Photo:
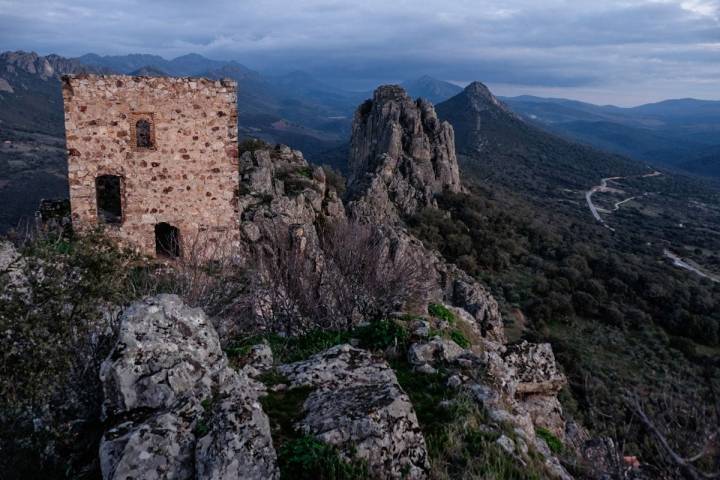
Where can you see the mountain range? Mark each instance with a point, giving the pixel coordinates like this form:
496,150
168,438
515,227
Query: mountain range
308,114
682,134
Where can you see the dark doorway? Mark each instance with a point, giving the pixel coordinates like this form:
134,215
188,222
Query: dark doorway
108,190
167,240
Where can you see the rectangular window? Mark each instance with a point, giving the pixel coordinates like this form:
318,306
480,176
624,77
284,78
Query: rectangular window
108,189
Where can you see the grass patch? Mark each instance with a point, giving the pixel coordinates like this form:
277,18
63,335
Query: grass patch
552,441
289,349
284,409
306,458
459,337
374,336
440,311
381,335
302,457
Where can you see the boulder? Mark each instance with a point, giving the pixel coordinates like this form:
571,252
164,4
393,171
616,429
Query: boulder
238,443
358,406
177,409
535,368
436,350
165,351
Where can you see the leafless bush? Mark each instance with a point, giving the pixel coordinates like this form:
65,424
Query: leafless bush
286,286
351,275
685,434
366,277
671,435
208,274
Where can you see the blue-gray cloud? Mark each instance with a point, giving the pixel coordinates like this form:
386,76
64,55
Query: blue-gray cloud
623,51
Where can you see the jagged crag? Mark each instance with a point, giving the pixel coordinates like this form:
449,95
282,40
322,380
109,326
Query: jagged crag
412,354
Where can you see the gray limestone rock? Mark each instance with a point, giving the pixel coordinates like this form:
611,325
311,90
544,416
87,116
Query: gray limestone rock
358,406
401,156
436,350
179,410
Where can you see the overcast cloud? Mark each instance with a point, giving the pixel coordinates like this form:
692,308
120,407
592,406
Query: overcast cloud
622,52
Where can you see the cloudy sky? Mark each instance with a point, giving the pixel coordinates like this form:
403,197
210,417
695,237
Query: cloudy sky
605,51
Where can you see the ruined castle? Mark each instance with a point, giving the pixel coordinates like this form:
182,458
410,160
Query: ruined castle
154,160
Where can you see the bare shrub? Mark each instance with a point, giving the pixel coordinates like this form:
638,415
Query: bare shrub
366,277
352,275
285,288
685,434
209,274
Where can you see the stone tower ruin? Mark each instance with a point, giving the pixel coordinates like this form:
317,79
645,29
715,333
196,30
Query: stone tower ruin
154,160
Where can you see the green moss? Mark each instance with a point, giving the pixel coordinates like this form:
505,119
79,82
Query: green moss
304,171
440,311
427,392
306,458
552,441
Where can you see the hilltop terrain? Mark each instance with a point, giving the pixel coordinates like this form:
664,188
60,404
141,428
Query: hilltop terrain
488,228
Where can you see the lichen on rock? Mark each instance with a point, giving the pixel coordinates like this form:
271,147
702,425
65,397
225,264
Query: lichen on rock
177,409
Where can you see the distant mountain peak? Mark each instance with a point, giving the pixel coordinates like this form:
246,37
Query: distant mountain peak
479,88
479,98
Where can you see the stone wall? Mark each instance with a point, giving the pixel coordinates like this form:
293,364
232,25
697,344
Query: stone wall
188,178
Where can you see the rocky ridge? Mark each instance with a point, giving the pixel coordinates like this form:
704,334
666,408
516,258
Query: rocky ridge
47,67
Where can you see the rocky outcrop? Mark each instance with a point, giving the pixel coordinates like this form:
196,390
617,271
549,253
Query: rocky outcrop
358,406
538,383
516,385
178,410
401,156
437,349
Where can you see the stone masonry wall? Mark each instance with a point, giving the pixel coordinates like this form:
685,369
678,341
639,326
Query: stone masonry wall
188,179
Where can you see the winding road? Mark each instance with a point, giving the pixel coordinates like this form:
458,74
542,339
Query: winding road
603,187
679,262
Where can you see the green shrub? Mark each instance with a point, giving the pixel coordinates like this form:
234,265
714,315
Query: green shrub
381,335
306,458
440,311
552,441
304,172
290,349
334,178
56,332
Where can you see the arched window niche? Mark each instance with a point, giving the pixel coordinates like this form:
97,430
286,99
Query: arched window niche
143,131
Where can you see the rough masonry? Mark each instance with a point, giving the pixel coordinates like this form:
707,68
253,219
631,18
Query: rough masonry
154,159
